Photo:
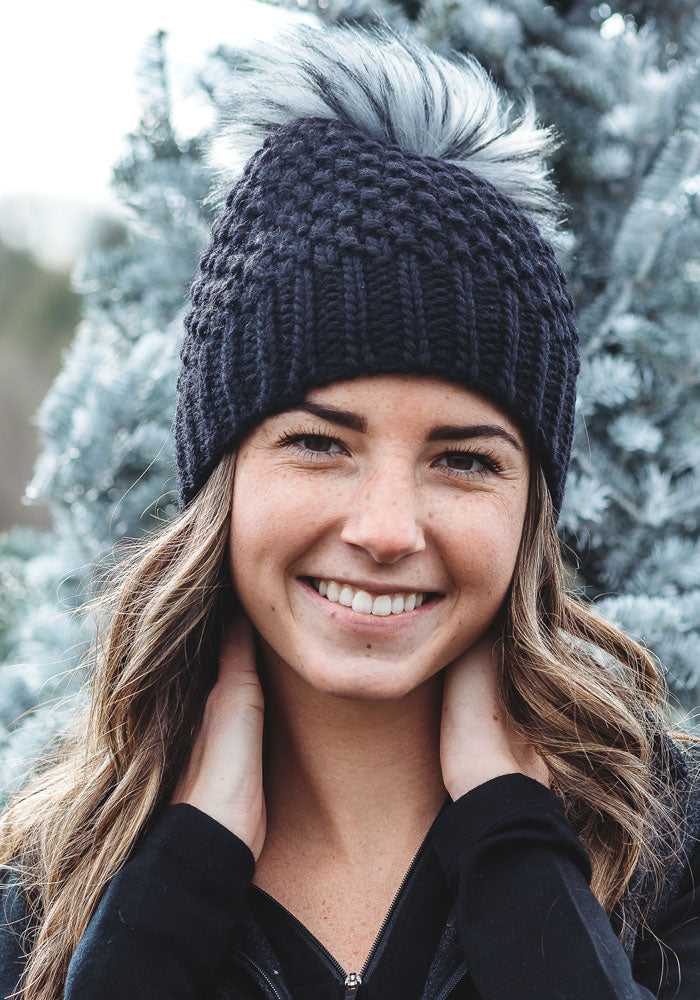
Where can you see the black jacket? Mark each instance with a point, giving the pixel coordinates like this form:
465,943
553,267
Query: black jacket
496,905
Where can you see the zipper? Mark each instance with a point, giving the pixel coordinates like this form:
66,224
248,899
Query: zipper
353,980
249,961
454,979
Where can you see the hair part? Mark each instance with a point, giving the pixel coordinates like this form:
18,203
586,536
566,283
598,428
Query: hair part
160,617
395,89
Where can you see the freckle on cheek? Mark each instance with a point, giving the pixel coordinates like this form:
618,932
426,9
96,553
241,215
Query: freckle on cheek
369,645
272,607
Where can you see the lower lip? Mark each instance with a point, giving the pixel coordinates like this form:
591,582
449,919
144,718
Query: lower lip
368,624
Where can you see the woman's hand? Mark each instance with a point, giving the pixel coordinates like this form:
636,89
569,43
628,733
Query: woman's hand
476,743
223,774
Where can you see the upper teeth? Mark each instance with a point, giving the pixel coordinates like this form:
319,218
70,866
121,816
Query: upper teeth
364,603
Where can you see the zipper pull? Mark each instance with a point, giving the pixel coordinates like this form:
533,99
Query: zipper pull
352,984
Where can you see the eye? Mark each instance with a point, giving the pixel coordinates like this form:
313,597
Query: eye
463,463
312,444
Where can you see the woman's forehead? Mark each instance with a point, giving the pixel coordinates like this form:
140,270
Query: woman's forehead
421,399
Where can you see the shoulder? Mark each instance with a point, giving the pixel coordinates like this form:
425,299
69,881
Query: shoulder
645,899
16,930
14,912
682,756
678,757
686,756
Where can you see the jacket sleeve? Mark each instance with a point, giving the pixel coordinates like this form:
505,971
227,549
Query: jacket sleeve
529,924
670,966
164,922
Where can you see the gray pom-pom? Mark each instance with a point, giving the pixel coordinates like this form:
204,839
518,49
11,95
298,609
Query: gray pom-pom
393,88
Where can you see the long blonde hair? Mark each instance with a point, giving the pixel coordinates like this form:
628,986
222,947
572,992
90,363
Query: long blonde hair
159,616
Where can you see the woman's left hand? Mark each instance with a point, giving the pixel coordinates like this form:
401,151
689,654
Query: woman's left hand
476,743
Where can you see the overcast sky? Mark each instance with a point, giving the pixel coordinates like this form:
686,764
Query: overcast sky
70,92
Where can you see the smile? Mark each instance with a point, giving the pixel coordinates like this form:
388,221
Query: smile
364,603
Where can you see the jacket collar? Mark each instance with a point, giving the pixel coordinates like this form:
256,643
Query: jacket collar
255,954
448,963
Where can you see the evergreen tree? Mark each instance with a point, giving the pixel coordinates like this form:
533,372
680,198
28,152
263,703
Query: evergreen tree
622,87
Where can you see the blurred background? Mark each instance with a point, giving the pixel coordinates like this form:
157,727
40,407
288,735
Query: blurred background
69,74
107,116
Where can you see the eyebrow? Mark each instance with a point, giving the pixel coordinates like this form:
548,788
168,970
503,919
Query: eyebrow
443,432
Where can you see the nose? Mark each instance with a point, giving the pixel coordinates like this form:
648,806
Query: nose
385,516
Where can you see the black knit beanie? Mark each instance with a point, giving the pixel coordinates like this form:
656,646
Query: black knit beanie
344,249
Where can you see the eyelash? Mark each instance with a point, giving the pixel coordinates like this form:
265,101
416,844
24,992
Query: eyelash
486,457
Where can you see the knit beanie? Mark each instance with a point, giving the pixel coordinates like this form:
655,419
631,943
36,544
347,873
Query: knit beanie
385,216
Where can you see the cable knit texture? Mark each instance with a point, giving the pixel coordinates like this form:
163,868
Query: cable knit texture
337,255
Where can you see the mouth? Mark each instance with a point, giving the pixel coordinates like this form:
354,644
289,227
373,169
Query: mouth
371,605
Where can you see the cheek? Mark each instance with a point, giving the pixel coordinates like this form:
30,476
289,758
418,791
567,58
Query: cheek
483,549
270,527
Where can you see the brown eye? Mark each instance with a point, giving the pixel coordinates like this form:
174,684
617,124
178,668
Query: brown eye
463,463
312,444
317,442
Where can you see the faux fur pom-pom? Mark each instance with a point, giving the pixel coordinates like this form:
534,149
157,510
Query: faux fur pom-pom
393,88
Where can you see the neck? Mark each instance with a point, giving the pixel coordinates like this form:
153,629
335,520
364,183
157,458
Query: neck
343,778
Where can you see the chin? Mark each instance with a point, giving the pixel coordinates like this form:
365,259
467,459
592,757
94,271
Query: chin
361,678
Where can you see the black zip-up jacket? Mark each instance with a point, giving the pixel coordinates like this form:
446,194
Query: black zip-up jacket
496,905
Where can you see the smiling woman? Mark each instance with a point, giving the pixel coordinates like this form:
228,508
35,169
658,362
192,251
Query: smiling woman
379,503
351,734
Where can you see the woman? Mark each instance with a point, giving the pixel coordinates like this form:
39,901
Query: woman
350,735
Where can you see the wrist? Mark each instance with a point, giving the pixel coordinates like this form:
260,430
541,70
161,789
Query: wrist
459,784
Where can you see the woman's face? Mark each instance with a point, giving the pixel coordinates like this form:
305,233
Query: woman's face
383,487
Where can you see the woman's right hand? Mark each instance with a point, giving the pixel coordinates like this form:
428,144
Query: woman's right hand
223,773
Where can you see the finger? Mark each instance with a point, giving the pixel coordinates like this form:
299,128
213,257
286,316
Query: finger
238,631
237,650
